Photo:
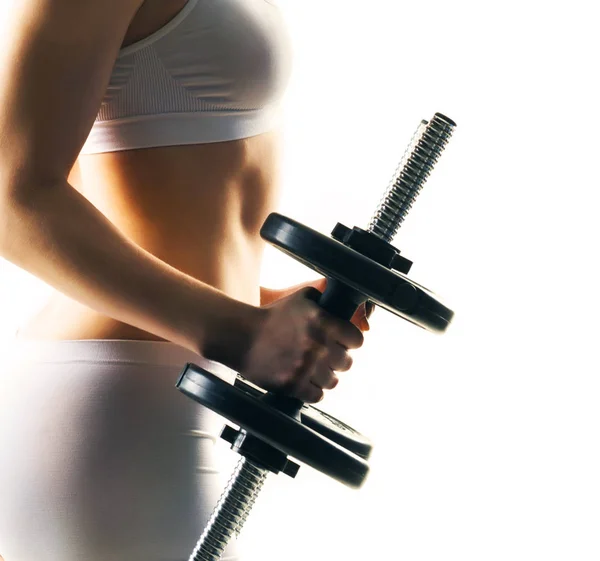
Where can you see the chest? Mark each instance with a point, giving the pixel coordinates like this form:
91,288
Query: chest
223,54
152,16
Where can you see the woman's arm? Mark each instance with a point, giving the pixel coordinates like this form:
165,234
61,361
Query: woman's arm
54,69
64,240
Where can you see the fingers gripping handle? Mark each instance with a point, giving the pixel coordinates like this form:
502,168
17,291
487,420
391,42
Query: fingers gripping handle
340,301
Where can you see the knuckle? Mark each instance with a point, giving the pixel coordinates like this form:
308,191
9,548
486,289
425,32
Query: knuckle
321,323
289,380
314,317
313,356
317,329
304,345
284,379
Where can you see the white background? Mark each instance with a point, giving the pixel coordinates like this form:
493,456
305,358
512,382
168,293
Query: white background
486,438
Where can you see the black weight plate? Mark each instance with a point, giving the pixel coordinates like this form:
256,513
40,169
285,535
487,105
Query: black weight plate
336,430
387,288
323,423
274,427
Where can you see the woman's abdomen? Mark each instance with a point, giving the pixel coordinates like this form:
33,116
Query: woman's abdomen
198,208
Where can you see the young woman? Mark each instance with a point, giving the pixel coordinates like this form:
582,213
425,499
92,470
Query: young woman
139,157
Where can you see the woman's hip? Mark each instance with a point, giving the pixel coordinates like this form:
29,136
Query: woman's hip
102,457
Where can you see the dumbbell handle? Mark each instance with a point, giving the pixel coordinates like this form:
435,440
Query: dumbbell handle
419,159
341,300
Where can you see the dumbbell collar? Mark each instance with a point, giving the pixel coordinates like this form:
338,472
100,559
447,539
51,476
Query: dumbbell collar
372,246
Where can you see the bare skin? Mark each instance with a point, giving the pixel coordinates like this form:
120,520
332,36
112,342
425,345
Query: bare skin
198,208
188,205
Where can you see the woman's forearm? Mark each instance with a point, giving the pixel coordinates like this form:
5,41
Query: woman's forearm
58,236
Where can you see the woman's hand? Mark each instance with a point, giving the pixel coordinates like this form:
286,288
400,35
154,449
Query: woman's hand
297,347
360,318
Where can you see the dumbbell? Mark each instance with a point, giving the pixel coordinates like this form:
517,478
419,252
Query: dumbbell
360,266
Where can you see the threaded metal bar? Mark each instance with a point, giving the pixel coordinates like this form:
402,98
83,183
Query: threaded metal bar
419,159
231,511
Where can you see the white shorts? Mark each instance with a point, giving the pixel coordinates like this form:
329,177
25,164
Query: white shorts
101,457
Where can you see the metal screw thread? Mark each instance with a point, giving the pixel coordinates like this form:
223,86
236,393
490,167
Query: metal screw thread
420,157
231,511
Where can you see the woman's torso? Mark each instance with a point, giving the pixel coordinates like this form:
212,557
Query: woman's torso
197,207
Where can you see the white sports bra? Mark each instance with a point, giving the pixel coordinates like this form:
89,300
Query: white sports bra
215,72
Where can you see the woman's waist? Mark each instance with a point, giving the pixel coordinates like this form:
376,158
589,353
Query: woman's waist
185,194
224,257
232,267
